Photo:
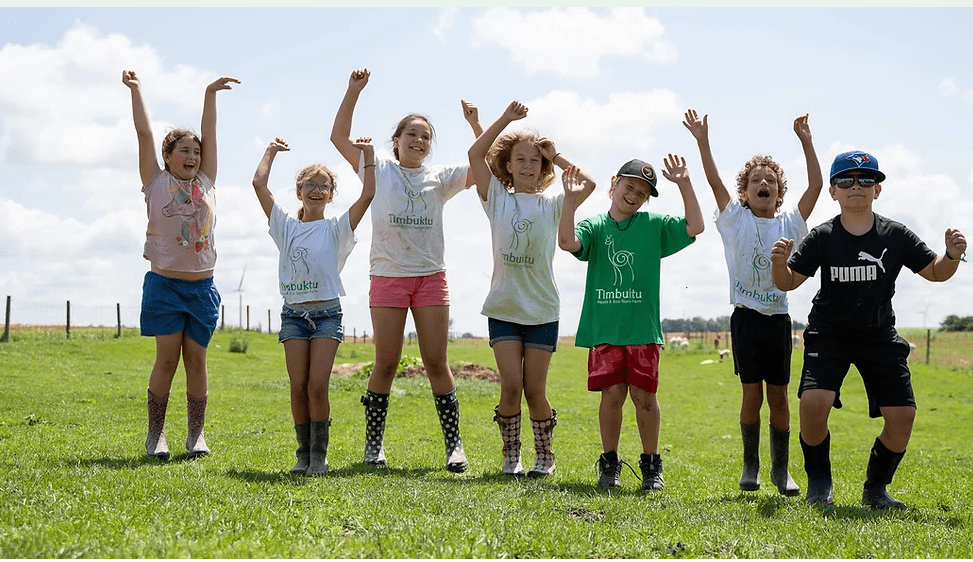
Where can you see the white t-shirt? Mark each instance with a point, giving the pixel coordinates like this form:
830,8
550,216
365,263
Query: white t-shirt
311,255
407,216
747,241
524,232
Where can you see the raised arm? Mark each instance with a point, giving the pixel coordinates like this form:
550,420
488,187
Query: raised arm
207,130
472,116
148,161
549,151
262,175
358,208
814,179
677,173
341,131
479,169
700,130
945,265
574,186
785,278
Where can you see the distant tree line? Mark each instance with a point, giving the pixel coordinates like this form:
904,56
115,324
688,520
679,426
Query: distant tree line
954,323
698,324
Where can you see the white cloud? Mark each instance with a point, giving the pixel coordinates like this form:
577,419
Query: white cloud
543,41
445,22
948,87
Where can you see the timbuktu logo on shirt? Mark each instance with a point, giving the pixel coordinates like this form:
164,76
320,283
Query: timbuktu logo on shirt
621,261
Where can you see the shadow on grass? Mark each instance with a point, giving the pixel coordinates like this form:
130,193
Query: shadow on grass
131,463
284,477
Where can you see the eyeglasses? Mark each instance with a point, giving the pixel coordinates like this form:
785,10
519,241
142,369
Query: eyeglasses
311,186
848,181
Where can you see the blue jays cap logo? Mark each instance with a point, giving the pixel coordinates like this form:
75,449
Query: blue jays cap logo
859,158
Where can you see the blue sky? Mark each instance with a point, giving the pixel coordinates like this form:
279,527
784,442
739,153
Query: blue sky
606,85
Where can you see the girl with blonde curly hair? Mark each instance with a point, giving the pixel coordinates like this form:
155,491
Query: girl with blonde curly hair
522,306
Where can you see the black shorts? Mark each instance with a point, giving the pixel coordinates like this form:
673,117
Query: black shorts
761,346
882,363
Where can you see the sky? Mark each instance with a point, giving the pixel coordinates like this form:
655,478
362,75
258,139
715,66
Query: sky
606,85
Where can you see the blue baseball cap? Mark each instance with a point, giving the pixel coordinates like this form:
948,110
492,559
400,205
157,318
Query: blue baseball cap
856,160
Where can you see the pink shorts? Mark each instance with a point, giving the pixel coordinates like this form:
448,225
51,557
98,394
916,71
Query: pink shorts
637,365
407,292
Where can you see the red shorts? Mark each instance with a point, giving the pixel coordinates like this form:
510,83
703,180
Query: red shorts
407,292
637,365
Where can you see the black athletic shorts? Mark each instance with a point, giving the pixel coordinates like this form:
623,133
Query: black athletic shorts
761,346
882,364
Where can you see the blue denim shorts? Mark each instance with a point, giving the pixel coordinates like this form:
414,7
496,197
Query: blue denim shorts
307,321
170,306
540,336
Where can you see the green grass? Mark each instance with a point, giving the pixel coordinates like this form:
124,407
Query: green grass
76,483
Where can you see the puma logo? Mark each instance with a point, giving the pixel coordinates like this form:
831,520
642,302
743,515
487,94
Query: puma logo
865,256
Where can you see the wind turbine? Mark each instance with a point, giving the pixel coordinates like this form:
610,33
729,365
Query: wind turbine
239,290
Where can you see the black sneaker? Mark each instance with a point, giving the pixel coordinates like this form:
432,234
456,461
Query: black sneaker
651,467
609,470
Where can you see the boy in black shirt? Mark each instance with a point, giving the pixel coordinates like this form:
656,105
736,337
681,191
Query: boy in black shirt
860,255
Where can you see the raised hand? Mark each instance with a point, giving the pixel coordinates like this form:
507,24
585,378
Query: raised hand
781,251
130,80
358,79
278,145
573,182
955,243
222,83
698,127
802,129
515,111
470,112
365,145
676,170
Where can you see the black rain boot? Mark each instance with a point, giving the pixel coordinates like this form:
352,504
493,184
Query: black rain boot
817,465
543,437
881,467
303,431
779,457
376,408
155,439
320,433
651,467
750,479
447,405
510,435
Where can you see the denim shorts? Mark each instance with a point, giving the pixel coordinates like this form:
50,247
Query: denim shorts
170,306
541,336
307,321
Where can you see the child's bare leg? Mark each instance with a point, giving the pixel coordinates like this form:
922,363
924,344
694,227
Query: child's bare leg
536,364
898,427
432,329
388,324
296,358
648,416
815,408
321,359
168,349
610,415
510,362
194,360
753,399
780,412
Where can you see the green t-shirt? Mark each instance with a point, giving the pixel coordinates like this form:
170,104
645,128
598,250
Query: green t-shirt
621,301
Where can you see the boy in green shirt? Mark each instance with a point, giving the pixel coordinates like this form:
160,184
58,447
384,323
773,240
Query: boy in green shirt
620,320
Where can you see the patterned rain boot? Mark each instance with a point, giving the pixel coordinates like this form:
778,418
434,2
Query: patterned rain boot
750,479
303,431
817,464
651,467
376,408
447,405
196,416
779,457
543,437
882,464
510,435
155,442
320,431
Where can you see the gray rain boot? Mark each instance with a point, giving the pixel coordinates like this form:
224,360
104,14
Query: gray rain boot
779,456
376,408
447,405
303,431
318,458
155,441
750,479
196,416
510,435
543,437
882,464
817,464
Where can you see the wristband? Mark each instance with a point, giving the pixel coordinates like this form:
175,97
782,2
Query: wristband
951,258
367,165
555,158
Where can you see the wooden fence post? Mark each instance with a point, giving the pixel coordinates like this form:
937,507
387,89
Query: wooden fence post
222,316
6,322
248,317
68,321
928,342
269,331
118,314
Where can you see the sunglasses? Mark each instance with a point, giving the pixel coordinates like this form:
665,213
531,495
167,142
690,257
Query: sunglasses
311,186
848,181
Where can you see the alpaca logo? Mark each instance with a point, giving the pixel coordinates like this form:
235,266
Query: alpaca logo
865,256
414,194
760,263
620,260
519,226
299,261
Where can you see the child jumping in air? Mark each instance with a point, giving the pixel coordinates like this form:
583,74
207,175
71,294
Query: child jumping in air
620,319
760,325
313,251
522,306
408,270
860,255
180,303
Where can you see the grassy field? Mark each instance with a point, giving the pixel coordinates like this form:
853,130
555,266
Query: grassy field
76,483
